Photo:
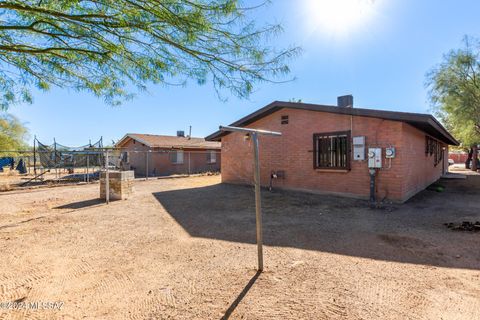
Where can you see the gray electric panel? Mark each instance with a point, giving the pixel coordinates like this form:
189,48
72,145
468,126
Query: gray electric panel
374,157
359,148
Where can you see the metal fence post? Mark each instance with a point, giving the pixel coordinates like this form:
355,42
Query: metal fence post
189,155
34,156
107,180
146,165
88,164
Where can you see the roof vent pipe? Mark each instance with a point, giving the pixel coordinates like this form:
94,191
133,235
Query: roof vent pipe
345,101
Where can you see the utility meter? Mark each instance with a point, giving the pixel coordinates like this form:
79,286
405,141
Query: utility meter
390,153
374,157
359,148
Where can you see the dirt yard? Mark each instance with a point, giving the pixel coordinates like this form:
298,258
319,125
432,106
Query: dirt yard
185,249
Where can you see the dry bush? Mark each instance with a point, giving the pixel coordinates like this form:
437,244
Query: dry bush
5,186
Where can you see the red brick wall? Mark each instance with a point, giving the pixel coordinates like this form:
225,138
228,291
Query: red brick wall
160,164
293,153
420,170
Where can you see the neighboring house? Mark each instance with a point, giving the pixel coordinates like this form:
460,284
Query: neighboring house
159,155
458,156
316,150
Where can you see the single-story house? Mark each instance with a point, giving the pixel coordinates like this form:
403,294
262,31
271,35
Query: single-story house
161,155
331,149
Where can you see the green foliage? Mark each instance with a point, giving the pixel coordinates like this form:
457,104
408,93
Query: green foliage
12,134
295,100
455,91
109,46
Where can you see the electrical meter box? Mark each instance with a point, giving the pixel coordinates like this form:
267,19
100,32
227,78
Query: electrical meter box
359,148
390,153
374,157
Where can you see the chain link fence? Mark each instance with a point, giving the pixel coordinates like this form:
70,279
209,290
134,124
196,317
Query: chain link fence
21,169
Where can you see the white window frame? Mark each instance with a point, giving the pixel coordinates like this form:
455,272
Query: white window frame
179,157
212,157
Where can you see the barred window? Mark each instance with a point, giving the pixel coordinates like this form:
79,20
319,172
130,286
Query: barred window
435,148
331,150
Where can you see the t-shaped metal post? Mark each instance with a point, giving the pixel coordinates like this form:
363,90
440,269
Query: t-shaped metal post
258,200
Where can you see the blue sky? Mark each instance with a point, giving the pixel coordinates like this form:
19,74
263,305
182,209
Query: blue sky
381,58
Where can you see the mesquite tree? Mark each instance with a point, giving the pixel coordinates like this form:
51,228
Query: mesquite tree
13,135
455,94
110,47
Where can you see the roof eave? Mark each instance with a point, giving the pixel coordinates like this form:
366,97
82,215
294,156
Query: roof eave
399,116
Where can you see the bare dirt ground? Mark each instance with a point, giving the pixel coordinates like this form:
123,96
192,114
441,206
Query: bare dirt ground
13,180
185,249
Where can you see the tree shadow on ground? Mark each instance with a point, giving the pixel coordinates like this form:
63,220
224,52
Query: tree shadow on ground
411,233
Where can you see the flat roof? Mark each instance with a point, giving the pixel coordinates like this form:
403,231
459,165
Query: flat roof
424,122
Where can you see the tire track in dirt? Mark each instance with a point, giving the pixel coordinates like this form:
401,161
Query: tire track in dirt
116,281
14,286
161,302
73,272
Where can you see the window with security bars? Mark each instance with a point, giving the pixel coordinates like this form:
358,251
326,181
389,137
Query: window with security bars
331,150
435,148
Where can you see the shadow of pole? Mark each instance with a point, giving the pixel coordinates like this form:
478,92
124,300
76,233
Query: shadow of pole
240,297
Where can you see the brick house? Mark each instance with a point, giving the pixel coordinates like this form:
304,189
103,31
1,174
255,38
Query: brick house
160,155
325,149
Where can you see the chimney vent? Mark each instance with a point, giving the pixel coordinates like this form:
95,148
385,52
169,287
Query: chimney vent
180,133
345,101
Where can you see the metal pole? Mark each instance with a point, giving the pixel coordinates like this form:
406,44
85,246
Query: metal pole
146,166
88,164
55,157
258,201
34,156
107,180
372,187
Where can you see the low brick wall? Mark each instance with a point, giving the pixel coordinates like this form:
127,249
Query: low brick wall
120,183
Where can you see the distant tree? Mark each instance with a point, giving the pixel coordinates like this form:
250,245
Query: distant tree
108,47
295,100
455,94
13,134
